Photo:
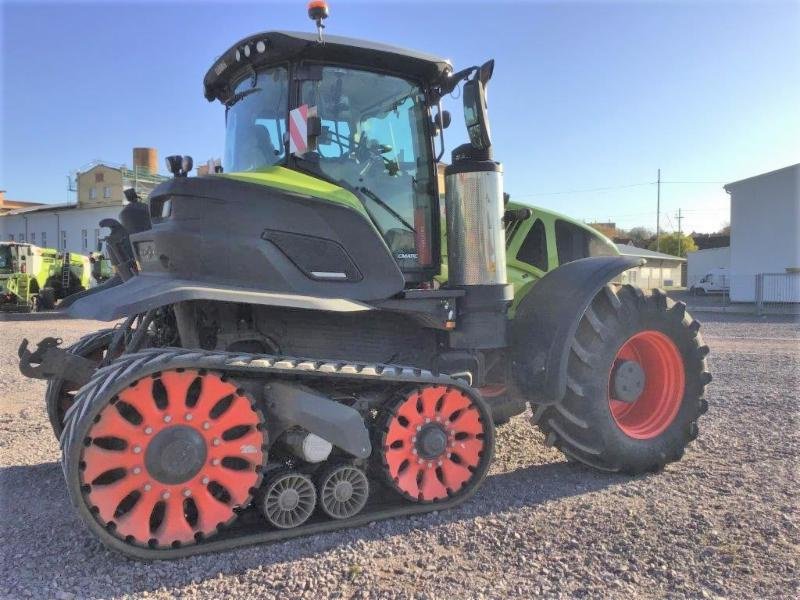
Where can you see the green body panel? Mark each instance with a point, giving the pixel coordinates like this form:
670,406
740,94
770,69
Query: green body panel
81,269
20,285
299,183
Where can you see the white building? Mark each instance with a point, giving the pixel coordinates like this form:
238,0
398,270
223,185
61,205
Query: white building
765,230
74,227
702,262
69,227
660,271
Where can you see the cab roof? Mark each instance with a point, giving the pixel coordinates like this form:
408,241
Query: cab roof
281,46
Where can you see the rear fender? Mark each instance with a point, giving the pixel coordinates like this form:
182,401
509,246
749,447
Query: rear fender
546,321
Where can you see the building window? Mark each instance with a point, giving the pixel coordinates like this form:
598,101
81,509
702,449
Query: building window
44,239
96,238
93,193
99,177
534,249
63,240
107,191
84,239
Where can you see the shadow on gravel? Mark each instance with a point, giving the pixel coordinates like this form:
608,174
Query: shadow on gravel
39,530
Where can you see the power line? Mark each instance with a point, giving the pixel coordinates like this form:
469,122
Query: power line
599,189
615,187
703,182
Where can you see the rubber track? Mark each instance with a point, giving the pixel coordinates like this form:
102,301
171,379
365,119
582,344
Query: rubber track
112,379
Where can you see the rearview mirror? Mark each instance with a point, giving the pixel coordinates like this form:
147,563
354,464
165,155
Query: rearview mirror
476,115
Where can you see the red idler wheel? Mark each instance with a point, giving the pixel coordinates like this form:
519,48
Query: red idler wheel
646,384
437,443
172,458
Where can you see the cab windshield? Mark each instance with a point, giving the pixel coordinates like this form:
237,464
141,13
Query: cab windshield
374,139
256,121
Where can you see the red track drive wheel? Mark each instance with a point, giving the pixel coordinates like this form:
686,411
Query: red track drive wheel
172,457
646,385
437,443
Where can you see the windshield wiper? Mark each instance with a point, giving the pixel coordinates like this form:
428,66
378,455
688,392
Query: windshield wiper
241,95
372,196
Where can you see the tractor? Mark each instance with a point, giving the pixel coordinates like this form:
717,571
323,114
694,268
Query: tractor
312,340
34,278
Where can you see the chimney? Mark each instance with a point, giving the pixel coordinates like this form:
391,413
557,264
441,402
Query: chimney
145,161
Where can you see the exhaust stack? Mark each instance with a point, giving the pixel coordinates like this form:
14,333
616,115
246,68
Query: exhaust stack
476,248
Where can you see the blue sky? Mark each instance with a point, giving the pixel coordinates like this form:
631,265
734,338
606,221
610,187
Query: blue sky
585,97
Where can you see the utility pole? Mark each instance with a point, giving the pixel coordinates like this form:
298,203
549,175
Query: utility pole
680,232
658,213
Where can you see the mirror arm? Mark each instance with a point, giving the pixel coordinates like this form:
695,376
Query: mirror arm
441,132
450,84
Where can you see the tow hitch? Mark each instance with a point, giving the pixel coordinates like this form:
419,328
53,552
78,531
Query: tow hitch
49,361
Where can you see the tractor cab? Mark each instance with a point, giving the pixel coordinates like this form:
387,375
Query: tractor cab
360,115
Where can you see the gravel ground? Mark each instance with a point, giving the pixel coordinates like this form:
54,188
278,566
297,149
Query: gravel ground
722,523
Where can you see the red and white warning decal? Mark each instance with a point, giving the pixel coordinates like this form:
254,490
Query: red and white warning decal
298,130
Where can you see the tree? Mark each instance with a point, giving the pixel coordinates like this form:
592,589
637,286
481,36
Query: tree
674,244
607,229
640,236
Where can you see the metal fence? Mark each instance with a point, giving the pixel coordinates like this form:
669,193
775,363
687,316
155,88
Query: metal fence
763,293
777,292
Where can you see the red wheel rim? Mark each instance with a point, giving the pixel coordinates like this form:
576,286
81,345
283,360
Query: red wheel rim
433,476
121,464
664,381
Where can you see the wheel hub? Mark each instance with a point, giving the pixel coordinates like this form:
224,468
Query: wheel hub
646,385
176,454
343,491
289,499
431,441
629,381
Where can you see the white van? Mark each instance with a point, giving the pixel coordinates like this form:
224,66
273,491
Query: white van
715,281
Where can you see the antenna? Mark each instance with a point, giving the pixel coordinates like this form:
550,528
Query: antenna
318,11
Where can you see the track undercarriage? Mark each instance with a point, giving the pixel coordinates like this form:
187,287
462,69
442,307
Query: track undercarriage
161,466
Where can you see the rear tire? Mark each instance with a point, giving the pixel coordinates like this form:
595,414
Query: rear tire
47,298
610,435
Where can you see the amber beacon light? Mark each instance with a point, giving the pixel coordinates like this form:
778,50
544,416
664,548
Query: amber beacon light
318,11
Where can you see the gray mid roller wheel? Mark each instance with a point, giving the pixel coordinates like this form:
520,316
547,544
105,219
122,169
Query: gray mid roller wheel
60,394
288,499
343,491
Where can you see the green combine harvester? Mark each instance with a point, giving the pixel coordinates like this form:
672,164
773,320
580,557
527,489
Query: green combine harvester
34,278
313,339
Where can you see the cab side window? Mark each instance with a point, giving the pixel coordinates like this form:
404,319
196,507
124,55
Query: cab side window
574,242
534,248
